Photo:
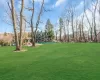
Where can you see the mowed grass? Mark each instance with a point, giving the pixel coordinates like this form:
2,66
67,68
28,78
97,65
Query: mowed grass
51,62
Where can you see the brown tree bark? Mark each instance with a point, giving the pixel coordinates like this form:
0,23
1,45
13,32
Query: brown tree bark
21,24
32,27
38,21
94,16
14,24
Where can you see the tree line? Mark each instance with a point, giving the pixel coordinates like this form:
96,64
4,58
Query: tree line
73,28
69,28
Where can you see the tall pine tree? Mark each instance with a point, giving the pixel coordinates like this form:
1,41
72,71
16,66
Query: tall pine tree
49,33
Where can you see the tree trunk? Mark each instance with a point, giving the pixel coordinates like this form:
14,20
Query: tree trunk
38,21
21,24
14,24
32,28
94,16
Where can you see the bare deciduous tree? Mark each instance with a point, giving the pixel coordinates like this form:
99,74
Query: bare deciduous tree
14,24
21,24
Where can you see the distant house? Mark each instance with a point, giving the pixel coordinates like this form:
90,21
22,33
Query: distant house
6,38
98,37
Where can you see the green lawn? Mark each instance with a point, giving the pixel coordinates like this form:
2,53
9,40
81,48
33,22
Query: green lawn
51,62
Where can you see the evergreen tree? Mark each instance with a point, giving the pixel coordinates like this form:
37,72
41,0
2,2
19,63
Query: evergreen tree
49,33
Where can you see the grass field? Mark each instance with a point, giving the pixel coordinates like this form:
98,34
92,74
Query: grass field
51,62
